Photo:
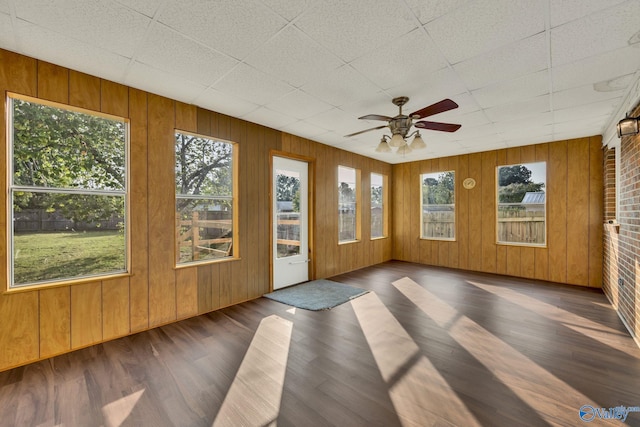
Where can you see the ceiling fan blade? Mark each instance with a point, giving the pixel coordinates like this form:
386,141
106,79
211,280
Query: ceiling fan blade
366,130
443,127
375,117
438,107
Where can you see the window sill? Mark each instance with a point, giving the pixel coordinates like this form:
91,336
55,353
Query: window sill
348,242
59,284
205,262
380,238
439,239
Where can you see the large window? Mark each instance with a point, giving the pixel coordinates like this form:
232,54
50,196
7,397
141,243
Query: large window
379,198
348,204
438,206
205,198
522,204
68,192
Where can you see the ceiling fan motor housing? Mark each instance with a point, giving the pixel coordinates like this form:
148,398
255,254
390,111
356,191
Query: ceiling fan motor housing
400,125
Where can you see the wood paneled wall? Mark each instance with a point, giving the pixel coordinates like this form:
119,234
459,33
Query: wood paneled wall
36,324
574,214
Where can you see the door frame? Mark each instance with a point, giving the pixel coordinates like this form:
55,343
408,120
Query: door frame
311,175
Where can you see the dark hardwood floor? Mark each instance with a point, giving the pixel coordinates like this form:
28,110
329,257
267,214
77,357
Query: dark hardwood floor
428,346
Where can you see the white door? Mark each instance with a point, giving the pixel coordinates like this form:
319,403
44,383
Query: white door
290,233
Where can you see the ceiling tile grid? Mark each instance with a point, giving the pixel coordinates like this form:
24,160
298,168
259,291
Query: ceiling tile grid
521,71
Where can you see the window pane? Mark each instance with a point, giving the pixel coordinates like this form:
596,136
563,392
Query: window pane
203,166
58,148
347,204
377,207
204,198
522,204
64,236
438,205
288,204
205,229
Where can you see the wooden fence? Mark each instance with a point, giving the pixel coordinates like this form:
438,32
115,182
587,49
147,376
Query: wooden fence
190,235
521,225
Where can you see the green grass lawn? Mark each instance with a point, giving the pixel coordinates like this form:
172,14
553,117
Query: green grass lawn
49,256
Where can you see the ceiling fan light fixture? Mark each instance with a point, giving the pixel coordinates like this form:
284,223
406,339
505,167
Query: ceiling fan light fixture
418,143
397,140
405,149
383,147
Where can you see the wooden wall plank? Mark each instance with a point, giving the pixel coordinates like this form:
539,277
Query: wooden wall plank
138,284
205,296
18,73
161,213
113,99
55,321
462,212
475,214
413,209
84,90
186,292
186,117
577,211
86,314
557,211
53,82
19,330
115,308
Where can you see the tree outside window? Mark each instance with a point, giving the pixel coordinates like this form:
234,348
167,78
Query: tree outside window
438,205
521,211
348,226
68,192
204,198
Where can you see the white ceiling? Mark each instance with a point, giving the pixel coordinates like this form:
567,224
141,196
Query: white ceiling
522,71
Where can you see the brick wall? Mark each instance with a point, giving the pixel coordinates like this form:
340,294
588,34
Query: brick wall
621,266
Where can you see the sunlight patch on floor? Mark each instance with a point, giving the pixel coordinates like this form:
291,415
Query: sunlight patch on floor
580,324
529,381
116,412
255,394
416,388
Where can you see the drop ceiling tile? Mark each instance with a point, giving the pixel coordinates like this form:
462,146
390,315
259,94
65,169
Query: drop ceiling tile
485,25
505,63
288,9
466,133
477,118
336,119
7,34
294,58
234,27
152,80
585,95
584,125
252,85
519,110
433,87
530,125
593,110
175,54
389,66
595,34
350,29
512,91
269,118
46,45
299,104
304,129
4,7
563,11
598,68
340,86
428,10
104,24
146,7
224,103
